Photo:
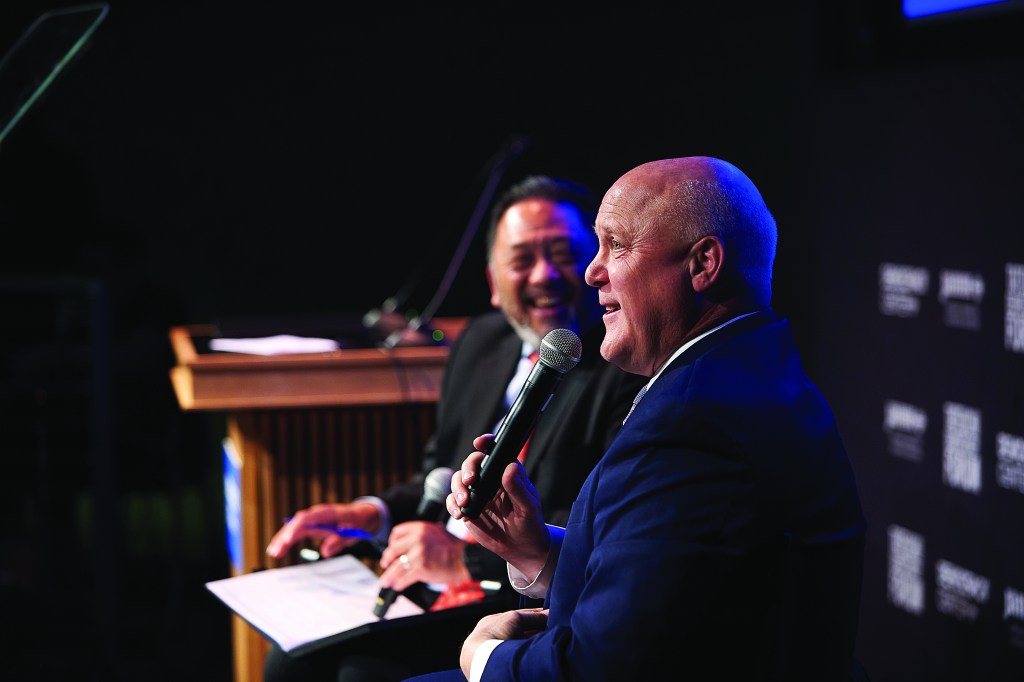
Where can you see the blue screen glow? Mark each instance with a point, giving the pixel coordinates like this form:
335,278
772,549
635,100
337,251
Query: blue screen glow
913,9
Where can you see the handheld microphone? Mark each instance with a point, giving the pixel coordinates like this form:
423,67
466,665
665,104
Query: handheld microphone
560,351
436,487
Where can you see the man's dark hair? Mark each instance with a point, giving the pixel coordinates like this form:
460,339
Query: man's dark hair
559,190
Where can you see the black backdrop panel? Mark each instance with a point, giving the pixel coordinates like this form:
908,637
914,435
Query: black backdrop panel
919,322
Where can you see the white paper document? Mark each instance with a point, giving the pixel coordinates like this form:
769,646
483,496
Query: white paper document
299,605
281,344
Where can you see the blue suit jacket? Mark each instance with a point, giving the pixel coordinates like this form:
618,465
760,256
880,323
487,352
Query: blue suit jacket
720,536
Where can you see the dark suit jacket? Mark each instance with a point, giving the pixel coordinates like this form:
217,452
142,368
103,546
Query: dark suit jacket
574,430
720,537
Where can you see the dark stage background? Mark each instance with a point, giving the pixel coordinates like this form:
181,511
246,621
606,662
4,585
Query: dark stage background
220,162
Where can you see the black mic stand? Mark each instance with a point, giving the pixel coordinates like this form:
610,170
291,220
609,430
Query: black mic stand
417,331
386,319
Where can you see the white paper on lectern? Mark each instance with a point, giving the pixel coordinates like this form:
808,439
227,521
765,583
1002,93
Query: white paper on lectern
295,605
281,344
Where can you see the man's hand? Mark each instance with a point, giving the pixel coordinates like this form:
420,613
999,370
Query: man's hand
433,555
315,521
509,625
512,524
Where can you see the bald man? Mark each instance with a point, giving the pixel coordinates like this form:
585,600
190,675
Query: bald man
721,534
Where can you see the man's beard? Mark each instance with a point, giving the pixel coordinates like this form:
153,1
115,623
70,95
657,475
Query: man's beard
525,332
529,334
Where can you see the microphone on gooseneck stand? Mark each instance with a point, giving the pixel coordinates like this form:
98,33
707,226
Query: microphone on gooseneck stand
560,351
416,332
436,487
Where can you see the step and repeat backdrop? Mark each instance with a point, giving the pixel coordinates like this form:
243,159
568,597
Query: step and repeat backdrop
918,328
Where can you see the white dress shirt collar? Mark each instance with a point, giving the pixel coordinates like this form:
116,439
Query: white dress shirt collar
682,349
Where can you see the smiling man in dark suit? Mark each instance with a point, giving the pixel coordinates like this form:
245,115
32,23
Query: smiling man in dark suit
540,239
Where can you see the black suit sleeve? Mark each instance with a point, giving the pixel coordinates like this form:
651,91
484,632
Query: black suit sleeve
471,390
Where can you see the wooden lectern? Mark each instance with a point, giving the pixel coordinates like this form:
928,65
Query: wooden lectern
308,428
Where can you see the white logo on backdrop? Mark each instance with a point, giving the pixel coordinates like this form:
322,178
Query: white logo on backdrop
900,288
1013,604
961,447
960,294
906,570
1010,462
959,592
1014,323
905,425
1013,611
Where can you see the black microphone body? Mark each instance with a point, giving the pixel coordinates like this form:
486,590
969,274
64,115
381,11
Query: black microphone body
560,351
436,487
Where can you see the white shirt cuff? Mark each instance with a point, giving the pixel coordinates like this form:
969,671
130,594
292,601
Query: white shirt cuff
457,528
537,588
480,656
385,517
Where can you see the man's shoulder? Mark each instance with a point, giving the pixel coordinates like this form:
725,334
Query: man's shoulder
487,335
485,328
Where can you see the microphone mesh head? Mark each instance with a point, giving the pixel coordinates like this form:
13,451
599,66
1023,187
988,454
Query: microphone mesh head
561,349
438,484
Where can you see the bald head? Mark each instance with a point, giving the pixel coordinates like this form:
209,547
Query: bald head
698,196
685,244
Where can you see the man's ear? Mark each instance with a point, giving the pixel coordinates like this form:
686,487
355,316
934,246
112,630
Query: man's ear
495,299
707,260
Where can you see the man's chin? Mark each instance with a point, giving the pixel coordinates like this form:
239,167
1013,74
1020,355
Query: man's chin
614,353
607,352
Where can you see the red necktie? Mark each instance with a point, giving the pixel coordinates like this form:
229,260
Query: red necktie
468,591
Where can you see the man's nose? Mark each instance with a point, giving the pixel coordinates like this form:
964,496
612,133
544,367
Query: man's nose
592,273
544,270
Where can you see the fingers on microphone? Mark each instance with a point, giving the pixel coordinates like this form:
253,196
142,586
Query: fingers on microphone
516,483
513,477
454,506
469,470
481,442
